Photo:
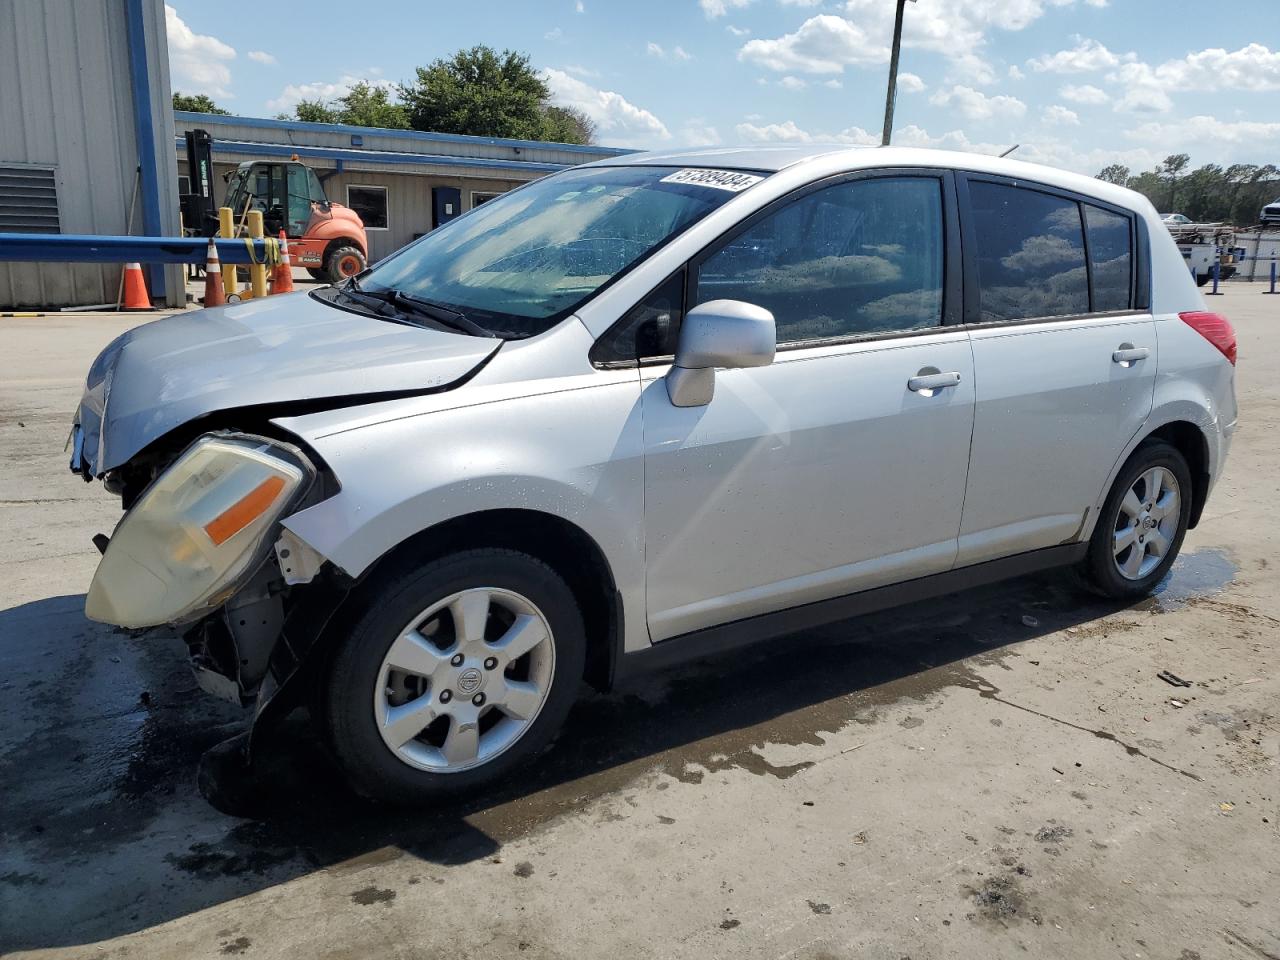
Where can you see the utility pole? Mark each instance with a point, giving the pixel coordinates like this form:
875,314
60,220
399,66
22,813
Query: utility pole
893,74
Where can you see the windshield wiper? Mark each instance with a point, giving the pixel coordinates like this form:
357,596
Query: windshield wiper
443,315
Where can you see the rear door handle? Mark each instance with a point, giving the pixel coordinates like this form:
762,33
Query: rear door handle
926,383
1128,354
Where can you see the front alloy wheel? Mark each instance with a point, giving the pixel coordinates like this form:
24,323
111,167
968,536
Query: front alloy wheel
465,680
452,674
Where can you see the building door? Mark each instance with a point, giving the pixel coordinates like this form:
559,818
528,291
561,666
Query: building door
446,204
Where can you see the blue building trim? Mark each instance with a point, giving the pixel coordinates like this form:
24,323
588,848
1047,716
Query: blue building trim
144,133
207,119
340,154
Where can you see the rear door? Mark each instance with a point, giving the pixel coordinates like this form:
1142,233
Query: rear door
1064,360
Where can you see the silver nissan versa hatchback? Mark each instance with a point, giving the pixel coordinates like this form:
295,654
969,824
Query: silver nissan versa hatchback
642,410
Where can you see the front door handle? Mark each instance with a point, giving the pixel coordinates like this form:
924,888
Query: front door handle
927,383
1127,355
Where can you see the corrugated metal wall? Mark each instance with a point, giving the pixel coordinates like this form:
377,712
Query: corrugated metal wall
66,103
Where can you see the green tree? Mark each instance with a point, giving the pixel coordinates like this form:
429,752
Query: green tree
1115,173
567,125
313,111
197,103
484,93
1171,169
364,105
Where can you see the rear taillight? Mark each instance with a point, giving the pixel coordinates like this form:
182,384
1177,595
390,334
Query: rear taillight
1215,328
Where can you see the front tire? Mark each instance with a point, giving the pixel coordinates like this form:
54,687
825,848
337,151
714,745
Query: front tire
345,261
454,675
1142,524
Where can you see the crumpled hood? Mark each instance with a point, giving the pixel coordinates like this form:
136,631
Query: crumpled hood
289,348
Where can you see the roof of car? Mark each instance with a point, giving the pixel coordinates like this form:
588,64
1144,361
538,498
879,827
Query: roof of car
774,158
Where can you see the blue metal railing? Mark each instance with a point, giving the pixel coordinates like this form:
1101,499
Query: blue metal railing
87,248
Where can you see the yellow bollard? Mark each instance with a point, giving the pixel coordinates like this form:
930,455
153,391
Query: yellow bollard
257,271
227,230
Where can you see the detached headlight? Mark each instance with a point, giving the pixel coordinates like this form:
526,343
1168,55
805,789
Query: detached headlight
195,532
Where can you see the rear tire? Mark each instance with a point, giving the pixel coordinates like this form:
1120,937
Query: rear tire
453,676
345,261
1142,524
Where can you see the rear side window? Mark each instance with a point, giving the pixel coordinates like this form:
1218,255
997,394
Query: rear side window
860,257
1030,251
1110,258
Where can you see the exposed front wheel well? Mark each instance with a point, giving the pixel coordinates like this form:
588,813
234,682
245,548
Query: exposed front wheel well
561,545
1190,442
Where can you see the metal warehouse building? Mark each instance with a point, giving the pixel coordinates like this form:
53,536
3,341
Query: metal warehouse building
85,127
403,183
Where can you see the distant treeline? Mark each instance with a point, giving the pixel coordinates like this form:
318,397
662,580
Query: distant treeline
1235,194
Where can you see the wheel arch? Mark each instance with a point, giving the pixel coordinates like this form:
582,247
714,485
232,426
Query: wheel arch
1189,440
343,241
564,546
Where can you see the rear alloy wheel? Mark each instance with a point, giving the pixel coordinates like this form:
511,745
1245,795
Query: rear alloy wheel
1142,524
453,675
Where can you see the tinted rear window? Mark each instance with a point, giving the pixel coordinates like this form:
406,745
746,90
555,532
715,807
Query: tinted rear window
1030,249
1110,258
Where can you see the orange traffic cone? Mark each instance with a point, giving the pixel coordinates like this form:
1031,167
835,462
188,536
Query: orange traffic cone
135,289
282,276
213,293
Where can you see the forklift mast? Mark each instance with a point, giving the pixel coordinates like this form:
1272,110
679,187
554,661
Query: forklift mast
198,206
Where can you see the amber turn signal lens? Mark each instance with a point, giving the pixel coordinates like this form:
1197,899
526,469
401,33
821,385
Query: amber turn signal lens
244,511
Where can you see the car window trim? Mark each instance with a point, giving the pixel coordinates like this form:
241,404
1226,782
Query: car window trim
1138,299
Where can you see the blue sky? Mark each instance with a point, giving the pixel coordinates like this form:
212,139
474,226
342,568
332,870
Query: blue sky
1079,83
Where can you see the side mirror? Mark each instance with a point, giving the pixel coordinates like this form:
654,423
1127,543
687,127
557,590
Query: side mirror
720,333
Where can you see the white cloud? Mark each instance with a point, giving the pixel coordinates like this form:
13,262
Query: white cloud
261,56
579,7
833,83
738,31
197,61
1086,56
619,121
675,53
801,3
1201,130
1253,68
773,133
1061,116
792,83
910,83
822,44
1084,93
976,105
718,8
554,34
1015,73
789,132
696,132
322,90
581,71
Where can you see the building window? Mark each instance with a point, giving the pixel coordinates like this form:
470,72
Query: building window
481,196
370,203
28,200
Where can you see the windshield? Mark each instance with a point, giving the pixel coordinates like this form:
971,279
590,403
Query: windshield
525,260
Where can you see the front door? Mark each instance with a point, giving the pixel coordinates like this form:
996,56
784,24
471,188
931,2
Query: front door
837,468
1064,364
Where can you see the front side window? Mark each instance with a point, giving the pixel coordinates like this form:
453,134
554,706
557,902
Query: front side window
860,257
523,261
1110,258
1030,251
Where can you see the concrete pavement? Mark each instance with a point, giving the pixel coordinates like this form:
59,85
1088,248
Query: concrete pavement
995,774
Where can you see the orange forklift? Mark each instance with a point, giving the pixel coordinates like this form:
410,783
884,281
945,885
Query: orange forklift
326,238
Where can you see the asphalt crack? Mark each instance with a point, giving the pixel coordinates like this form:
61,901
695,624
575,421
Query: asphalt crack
989,691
